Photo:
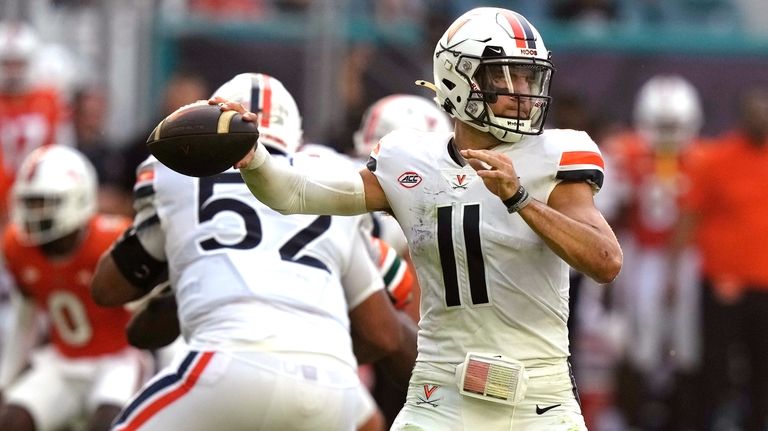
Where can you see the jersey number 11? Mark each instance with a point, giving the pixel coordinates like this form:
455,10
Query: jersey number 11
473,252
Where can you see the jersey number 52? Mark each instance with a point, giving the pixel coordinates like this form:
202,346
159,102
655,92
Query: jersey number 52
289,251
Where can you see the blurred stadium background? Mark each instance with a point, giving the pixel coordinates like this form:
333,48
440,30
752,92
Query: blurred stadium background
338,56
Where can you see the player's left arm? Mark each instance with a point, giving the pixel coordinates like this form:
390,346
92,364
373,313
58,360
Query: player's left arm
569,222
576,231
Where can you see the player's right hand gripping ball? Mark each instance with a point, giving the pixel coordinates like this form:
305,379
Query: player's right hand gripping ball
199,139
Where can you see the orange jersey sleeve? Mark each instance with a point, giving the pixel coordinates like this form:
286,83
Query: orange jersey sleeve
61,288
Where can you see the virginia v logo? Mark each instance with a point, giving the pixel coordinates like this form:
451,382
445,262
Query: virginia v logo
460,182
459,179
429,390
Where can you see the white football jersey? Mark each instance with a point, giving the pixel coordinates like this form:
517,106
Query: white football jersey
489,283
246,274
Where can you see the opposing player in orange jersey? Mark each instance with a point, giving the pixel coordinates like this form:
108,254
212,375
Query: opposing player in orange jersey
651,164
51,248
31,115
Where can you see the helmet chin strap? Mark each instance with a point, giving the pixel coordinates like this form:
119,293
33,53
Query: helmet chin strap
505,135
502,134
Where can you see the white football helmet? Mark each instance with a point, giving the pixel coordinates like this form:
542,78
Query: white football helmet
395,112
18,47
279,118
668,111
54,194
490,52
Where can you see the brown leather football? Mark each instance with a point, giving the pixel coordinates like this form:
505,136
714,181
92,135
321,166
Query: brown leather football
199,139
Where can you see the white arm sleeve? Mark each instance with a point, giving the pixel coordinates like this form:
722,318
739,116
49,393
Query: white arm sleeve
18,339
361,277
289,191
150,232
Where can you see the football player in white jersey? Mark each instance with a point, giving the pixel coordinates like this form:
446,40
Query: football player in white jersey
494,214
265,302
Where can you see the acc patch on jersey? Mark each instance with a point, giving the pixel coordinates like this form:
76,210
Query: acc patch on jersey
409,179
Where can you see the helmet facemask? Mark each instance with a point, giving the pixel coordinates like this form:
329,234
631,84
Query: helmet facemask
668,135
44,218
521,89
40,224
54,195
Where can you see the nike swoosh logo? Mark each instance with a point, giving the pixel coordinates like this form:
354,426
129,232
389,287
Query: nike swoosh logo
541,411
496,50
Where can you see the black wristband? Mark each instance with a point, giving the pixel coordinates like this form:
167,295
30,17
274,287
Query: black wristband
517,201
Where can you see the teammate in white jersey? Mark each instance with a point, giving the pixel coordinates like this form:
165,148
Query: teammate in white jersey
494,214
265,302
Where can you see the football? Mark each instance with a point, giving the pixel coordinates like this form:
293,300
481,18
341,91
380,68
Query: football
199,139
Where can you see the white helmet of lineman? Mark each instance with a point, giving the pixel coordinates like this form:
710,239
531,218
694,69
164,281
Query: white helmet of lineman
18,47
394,112
279,120
668,111
475,62
54,194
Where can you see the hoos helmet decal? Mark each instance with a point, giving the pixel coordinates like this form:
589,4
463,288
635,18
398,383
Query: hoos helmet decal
493,56
279,119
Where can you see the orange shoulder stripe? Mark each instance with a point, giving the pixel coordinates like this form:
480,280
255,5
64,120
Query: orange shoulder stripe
581,158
